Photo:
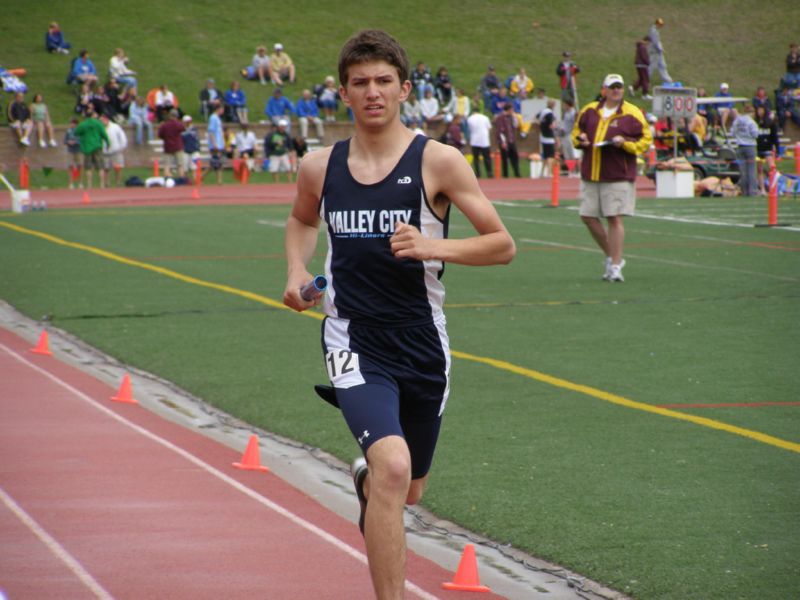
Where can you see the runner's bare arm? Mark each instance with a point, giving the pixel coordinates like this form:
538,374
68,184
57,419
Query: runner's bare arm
302,228
449,178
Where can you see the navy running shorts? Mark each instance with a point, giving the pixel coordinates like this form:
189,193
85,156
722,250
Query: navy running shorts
390,381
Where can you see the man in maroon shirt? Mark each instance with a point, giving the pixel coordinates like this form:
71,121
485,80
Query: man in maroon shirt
505,125
170,132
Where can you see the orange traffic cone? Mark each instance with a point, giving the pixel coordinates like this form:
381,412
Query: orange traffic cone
251,460
125,393
195,194
85,199
156,169
24,174
43,346
466,579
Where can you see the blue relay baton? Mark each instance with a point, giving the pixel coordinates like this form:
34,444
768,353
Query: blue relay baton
314,288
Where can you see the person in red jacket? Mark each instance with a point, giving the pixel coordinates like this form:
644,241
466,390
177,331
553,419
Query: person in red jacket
611,133
642,63
171,132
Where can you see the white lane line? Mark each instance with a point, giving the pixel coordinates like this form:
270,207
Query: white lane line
677,263
266,502
57,549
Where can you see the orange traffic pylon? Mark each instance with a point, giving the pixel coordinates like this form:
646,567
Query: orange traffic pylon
85,199
125,393
251,460
43,346
24,174
195,194
156,169
466,579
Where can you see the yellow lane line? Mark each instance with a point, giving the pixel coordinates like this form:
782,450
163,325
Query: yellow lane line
497,364
622,401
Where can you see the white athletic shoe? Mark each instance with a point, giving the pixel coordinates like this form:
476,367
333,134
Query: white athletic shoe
607,273
53,143
42,144
631,90
616,272
25,141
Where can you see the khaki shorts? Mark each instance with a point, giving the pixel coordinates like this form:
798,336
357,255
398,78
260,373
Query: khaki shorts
280,164
607,199
117,158
174,160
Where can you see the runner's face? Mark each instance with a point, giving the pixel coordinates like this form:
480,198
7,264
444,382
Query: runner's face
374,92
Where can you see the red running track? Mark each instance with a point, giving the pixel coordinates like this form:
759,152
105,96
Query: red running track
283,193
100,499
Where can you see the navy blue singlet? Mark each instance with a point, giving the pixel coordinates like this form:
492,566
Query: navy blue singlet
366,283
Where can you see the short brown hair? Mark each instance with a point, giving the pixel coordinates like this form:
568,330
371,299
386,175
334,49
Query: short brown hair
369,45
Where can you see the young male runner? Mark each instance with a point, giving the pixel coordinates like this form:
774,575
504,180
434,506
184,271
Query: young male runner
385,197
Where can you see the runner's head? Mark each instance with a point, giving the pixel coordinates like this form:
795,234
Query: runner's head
372,45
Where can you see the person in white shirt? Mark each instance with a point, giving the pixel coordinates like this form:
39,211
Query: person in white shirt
118,69
479,127
430,108
114,152
246,145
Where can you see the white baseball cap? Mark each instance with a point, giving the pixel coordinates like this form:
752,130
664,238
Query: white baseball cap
613,78
723,86
187,118
283,123
279,46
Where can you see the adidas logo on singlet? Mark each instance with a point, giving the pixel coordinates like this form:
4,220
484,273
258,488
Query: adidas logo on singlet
405,179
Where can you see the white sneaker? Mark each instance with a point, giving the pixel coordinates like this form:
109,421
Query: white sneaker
53,143
25,141
616,271
647,97
607,274
631,90
42,144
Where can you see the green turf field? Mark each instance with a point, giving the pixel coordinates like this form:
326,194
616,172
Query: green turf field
644,434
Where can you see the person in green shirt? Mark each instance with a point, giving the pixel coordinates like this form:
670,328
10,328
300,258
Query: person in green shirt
91,135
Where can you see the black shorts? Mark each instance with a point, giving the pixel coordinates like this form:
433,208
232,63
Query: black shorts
390,382
548,150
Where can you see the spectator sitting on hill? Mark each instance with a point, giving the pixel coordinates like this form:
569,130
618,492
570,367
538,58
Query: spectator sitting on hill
431,111
521,84
490,81
259,67
792,76
83,70
307,110
139,117
210,99
282,66
164,102
412,116
724,108
499,101
420,79
42,122
279,107
761,99
786,107
118,69
100,101
236,104
54,40
118,100
19,119
83,103
443,86
328,98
